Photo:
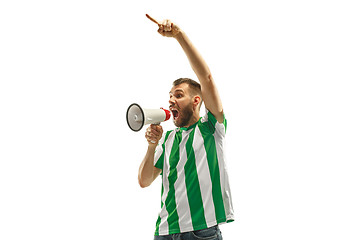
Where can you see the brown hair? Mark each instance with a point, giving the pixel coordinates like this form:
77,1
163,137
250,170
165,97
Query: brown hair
194,86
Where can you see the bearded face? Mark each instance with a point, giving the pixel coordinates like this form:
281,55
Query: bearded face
181,106
182,117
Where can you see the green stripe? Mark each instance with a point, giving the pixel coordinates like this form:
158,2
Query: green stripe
193,187
210,148
160,162
157,225
170,204
225,123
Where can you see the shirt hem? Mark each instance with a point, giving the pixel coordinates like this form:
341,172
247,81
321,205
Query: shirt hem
199,227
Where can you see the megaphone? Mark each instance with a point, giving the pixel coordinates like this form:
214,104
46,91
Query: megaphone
137,117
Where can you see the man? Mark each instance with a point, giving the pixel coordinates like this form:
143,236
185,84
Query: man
195,189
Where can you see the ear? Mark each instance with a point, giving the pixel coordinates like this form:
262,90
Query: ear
196,101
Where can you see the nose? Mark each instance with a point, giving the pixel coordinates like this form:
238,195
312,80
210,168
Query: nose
172,100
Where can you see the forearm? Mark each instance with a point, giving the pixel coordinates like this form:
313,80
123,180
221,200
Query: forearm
146,173
197,63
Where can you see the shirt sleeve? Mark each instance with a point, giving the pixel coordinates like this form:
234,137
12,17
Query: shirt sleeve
213,124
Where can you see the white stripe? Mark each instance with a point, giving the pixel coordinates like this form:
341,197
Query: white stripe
159,150
164,226
219,137
204,177
182,207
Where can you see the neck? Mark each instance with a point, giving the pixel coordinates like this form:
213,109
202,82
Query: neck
194,119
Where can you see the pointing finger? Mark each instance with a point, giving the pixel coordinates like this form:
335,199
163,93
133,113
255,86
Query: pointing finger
153,20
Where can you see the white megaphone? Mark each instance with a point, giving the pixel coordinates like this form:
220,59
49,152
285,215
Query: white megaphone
137,117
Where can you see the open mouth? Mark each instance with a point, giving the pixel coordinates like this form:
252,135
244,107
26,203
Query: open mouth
175,113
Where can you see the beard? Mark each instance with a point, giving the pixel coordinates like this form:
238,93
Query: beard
184,116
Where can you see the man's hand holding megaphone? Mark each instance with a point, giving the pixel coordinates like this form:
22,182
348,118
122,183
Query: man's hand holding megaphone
153,134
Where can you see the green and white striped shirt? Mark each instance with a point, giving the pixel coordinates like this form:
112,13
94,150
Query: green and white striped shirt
195,187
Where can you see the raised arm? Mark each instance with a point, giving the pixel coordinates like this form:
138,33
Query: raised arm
209,91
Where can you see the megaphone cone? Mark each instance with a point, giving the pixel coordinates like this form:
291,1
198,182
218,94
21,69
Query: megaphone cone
137,117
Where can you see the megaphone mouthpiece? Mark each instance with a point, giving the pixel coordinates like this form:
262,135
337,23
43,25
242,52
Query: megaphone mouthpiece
167,114
137,117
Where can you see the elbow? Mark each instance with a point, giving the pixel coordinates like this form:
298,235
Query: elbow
204,75
143,184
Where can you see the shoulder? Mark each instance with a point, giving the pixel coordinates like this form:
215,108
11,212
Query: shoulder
210,121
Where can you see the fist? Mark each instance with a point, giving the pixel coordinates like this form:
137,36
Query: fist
153,134
168,28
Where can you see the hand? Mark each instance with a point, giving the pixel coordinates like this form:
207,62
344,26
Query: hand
166,27
153,134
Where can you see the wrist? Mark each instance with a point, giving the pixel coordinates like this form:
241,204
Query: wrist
180,35
152,146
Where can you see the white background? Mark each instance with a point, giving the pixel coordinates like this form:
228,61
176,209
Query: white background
288,75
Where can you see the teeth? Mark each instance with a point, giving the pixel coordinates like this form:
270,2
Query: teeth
175,113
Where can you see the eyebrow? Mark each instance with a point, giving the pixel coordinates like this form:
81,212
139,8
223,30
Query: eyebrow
177,90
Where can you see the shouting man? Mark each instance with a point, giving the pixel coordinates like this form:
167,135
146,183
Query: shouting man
195,194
